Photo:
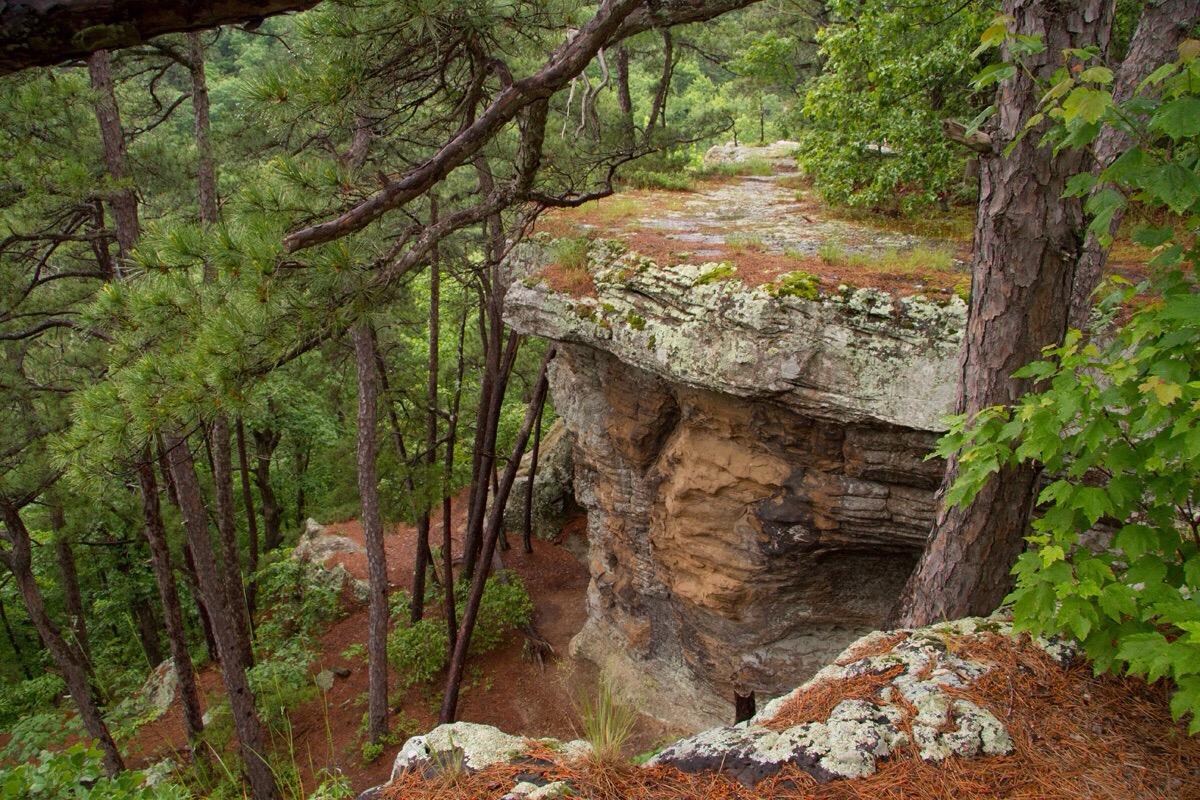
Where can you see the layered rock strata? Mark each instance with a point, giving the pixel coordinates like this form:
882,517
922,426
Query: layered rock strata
752,463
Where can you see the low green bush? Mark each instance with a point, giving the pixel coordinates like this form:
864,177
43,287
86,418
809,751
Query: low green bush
77,773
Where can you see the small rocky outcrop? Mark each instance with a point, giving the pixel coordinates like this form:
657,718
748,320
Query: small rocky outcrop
752,461
553,490
913,679
893,694
730,153
317,546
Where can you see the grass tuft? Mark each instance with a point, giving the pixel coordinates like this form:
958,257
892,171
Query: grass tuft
607,723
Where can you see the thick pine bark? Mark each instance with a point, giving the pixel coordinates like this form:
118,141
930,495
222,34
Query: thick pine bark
164,579
265,442
43,32
1156,39
189,570
624,98
1027,243
251,518
495,522
68,659
251,741
372,523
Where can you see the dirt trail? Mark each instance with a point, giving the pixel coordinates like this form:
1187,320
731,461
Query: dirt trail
503,688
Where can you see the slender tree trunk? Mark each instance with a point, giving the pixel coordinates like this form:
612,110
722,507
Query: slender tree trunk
121,198
447,488
70,581
164,579
265,442
148,626
189,568
301,453
68,659
206,171
14,642
431,428
251,518
494,523
251,741
229,560
527,532
1027,242
658,107
368,489
1161,28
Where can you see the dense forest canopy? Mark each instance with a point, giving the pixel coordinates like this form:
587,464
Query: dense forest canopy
253,270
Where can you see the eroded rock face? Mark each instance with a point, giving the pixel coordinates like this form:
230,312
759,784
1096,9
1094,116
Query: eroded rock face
752,467
553,491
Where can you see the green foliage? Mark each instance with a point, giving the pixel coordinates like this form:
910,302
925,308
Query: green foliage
417,652
800,284
760,167
571,253
19,700
665,181
504,607
39,731
77,773
892,260
891,75
721,272
1115,422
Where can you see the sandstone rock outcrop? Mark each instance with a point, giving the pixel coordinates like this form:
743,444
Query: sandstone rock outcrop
752,464
553,490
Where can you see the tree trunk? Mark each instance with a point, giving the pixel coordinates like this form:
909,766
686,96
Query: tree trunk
527,531
624,99
1160,30
658,107
431,426
189,568
164,579
1027,242
148,626
368,489
121,198
265,442
70,579
67,658
230,561
447,487
251,518
251,741
494,523
206,171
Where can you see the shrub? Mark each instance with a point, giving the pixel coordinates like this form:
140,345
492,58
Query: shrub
418,652
504,607
78,772
18,700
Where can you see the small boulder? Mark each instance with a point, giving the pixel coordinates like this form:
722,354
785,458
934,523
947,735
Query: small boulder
317,546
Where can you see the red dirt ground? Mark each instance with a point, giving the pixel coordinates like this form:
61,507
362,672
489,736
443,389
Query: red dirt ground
502,689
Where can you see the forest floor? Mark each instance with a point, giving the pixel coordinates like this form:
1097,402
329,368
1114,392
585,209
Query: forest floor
502,688
771,225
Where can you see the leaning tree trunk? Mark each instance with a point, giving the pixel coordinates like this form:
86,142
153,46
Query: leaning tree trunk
229,558
527,528
1158,34
121,199
372,523
68,659
495,522
431,428
164,578
248,727
251,519
1027,242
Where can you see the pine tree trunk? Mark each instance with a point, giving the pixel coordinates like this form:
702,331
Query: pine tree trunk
189,569
229,559
1027,242
372,523
121,199
251,741
527,531
447,487
624,99
492,534
265,442
431,426
70,580
148,626
67,658
164,578
251,518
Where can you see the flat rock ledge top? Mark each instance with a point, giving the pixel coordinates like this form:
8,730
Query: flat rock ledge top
858,355
917,676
